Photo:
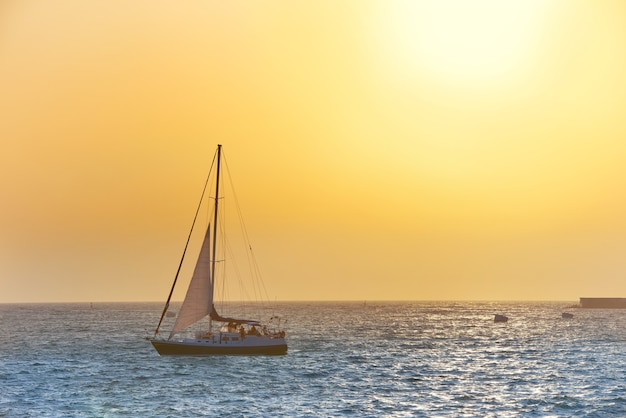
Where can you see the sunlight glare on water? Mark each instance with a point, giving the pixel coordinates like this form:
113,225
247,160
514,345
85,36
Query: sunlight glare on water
361,359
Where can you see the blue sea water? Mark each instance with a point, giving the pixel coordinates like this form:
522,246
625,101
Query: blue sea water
422,359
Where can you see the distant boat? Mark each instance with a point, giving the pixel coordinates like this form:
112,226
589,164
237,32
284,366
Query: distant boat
232,335
500,318
567,315
170,314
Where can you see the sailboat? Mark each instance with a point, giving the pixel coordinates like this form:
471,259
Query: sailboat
221,335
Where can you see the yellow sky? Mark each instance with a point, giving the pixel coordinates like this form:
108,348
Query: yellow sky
382,149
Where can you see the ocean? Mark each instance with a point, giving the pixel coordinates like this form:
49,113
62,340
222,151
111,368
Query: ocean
367,359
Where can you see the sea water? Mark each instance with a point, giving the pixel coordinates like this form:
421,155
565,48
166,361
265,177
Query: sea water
367,359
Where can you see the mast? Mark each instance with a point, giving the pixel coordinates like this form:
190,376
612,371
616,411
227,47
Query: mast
217,199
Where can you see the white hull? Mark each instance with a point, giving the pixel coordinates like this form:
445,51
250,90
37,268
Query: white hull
222,344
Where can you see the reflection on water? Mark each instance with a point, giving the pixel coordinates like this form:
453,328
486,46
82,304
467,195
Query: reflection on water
362,359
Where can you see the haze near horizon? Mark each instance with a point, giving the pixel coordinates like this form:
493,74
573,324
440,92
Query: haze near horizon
399,150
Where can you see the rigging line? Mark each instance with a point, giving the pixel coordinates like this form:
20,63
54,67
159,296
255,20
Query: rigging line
251,257
253,267
243,234
258,273
219,275
224,254
193,223
234,271
235,267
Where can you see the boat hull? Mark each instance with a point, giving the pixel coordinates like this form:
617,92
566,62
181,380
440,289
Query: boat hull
272,347
500,318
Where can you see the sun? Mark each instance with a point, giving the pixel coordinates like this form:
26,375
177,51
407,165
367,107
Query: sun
456,41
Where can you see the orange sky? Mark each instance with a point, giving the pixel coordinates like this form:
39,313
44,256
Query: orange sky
382,150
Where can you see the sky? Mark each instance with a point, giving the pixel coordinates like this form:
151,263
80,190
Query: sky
382,150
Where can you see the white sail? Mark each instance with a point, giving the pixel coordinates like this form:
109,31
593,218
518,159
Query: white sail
199,298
